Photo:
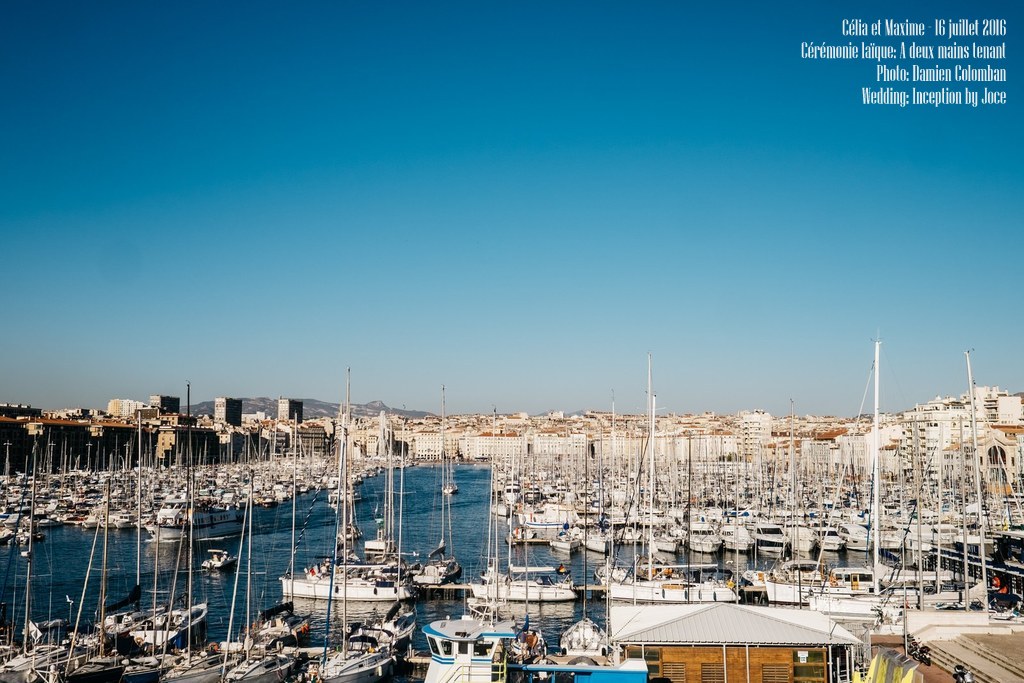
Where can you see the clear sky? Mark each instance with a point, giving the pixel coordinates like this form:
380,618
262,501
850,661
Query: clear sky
517,200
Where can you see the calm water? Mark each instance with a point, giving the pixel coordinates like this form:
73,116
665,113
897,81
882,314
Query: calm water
61,561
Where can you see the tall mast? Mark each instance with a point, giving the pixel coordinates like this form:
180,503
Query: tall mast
875,482
295,468
401,497
977,485
340,530
138,523
103,572
343,503
650,475
28,556
794,530
492,528
189,510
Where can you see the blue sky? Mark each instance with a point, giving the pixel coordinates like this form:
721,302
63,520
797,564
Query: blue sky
518,200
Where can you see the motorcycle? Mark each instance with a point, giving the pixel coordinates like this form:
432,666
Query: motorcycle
921,653
961,674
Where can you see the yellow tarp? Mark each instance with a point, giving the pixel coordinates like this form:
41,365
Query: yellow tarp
889,666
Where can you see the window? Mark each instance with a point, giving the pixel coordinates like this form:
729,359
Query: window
446,648
652,655
808,666
482,648
433,645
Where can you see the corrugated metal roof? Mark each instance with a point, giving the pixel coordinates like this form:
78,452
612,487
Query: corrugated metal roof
724,623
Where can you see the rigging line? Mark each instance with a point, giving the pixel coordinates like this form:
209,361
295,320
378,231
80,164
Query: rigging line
11,556
867,387
309,511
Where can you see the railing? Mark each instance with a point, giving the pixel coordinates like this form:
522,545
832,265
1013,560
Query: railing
499,671
467,673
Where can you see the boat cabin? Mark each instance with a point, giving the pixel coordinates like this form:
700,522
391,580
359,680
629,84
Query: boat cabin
470,650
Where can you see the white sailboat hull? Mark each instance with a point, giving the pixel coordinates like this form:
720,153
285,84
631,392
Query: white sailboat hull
524,590
319,588
656,591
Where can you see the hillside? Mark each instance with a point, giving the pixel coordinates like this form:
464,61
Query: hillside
311,408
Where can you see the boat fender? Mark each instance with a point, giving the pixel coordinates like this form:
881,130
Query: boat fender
380,670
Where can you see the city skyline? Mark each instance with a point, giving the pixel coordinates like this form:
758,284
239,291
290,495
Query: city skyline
519,203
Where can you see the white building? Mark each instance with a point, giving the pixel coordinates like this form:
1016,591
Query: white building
490,447
755,432
124,407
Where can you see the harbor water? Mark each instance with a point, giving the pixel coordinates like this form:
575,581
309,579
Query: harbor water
64,587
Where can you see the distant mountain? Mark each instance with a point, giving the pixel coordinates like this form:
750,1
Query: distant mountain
311,408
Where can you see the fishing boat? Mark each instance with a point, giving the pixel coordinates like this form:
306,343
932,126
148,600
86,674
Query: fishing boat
471,650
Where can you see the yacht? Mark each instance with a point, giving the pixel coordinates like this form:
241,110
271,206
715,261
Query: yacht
770,539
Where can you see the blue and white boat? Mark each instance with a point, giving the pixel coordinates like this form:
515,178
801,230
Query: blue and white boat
474,651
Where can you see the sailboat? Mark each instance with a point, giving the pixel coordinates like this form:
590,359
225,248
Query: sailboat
584,638
101,669
35,657
441,566
649,580
383,547
258,664
448,485
525,584
872,606
349,578
347,664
